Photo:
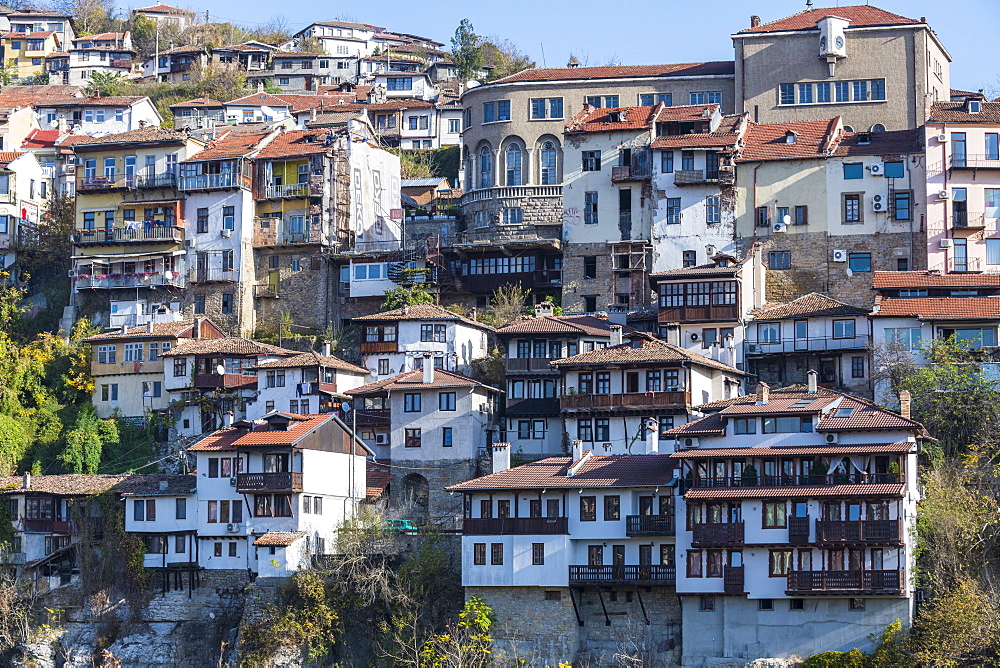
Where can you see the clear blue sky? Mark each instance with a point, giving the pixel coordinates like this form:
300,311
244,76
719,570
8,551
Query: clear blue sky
665,31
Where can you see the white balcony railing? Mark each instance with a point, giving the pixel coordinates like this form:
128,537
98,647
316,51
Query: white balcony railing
818,344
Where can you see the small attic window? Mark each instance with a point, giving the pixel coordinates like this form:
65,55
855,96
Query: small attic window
864,138
789,137
843,413
802,403
637,343
975,106
616,116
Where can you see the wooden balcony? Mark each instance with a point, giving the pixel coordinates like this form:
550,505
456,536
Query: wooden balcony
845,582
868,532
798,530
649,525
706,313
732,580
522,364
248,483
617,401
46,526
378,347
648,576
495,526
717,535
796,480
226,381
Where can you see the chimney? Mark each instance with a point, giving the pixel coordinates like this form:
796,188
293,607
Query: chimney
227,420
904,403
326,349
164,485
61,124
618,314
149,326
577,450
196,329
26,481
616,335
544,309
754,21
501,457
474,314
811,381
763,393
428,368
652,436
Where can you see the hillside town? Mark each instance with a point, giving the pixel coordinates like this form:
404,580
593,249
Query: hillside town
398,352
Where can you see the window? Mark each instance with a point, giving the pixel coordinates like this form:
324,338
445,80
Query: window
652,99
894,170
774,514
538,554
857,367
712,97
853,171
612,508
602,101
180,509
673,210
411,403
433,333
133,352
199,304
902,208
779,562
713,564
513,216
745,426
503,110
588,508
763,216
180,368
667,162
413,438
590,208
779,260
547,161
227,302
106,354
786,94
706,604
399,83
447,439
513,160
485,167
542,108
454,126
787,425
801,215
852,212
479,554
712,210
859,261
446,401
909,338
843,329
694,564
602,427
496,554
765,604
591,161
489,112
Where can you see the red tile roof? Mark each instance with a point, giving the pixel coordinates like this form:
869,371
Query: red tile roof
711,425
926,279
955,112
230,145
866,416
559,324
796,492
29,35
378,477
812,305
650,350
622,72
119,101
780,451
278,538
700,271
797,391
597,471
102,37
414,380
150,133
858,15
226,346
727,134
261,434
40,139
940,308
181,328
597,119
293,144
749,406
258,99
9,156
419,312
69,484
890,142
813,139
198,102
312,358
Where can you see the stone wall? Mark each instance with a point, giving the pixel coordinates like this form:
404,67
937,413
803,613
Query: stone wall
541,627
306,293
539,210
576,286
418,488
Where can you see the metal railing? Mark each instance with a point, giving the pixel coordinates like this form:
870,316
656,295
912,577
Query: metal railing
606,575
140,280
635,172
975,161
140,233
214,275
813,344
511,192
649,525
288,190
166,180
209,181
969,220
496,526
693,176
507,234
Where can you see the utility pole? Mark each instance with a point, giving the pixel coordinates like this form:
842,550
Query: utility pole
206,16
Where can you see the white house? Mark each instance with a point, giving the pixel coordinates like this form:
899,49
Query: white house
105,53
162,509
569,551
795,516
306,383
272,493
24,196
98,116
395,341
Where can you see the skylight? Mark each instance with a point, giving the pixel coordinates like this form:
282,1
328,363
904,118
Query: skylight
843,413
801,403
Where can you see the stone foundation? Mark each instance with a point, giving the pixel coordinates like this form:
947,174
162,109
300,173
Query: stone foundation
307,294
418,488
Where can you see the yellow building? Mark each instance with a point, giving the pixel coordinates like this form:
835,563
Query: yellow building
128,240
24,52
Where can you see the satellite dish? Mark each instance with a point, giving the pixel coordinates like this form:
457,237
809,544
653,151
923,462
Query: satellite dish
345,406
471,83
786,219
221,370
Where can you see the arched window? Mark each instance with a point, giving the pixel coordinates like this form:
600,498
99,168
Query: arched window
485,167
878,127
848,128
548,164
513,165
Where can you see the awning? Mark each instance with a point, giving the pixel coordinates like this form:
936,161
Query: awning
120,257
154,201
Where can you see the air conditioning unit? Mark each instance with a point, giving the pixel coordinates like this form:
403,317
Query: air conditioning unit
944,194
944,243
380,439
942,138
689,442
694,336
878,206
71,273
227,233
232,528
779,227
878,169
840,255
832,438
190,243
232,481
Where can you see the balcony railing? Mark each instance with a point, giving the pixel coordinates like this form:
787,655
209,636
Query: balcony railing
695,176
46,525
511,192
99,183
225,381
845,582
859,531
795,480
533,406
378,346
732,580
166,180
664,576
969,220
288,190
214,275
678,398
211,181
721,534
122,64
637,172
975,161
649,525
964,264
247,483
818,344
798,530
508,234
369,417
140,280
140,233
266,291
529,364
495,526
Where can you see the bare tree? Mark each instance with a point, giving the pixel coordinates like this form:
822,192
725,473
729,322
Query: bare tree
508,303
17,599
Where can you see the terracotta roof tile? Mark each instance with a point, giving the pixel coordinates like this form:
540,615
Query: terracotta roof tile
103,36
378,477
866,416
797,391
198,102
414,380
797,492
261,434
225,346
711,425
68,484
954,112
278,538
622,72
792,450
9,156
941,308
230,144
119,101
812,305
728,134
858,15
158,485
419,312
181,328
890,142
257,99
813,139
925,279
559,324
295,143
150,133
598,119
700,271
598,471
651,350
776,405
29,35
312,358
164,9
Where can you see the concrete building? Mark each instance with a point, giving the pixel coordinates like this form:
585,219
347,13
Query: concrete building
167,15
873,68
963,185
98,116
53,150
162,510
794,525
432,426
31,20
176,64
306,383
105,53
24,196
396,341
201,112
575,557
25,52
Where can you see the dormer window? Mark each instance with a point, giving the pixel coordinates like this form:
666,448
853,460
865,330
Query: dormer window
974,106
864,138
843,413
789,137
637,343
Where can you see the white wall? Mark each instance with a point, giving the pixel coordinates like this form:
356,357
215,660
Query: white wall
467,423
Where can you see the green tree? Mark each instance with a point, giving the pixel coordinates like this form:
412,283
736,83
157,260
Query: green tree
399,297
505,57
467,51
106,84
466,643
507,303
